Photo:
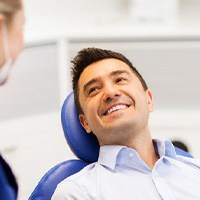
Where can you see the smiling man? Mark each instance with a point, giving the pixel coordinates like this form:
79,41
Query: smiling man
114,103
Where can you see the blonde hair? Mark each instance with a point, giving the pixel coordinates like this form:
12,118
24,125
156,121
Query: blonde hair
8,8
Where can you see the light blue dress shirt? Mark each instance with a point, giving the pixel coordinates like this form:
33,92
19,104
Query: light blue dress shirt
120,174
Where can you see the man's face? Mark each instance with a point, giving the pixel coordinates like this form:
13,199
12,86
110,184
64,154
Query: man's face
113,101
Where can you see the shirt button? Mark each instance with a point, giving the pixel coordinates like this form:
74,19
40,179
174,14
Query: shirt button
131,154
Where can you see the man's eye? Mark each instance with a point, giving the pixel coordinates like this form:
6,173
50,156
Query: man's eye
92,90
120,80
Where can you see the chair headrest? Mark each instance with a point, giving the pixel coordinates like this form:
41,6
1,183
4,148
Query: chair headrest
85,146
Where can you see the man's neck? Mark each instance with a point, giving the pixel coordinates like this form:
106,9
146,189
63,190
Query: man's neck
143,144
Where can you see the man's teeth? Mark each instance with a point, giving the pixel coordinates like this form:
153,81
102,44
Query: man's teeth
118,107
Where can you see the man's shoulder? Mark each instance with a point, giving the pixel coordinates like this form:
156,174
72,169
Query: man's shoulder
77,184
189,161
82,175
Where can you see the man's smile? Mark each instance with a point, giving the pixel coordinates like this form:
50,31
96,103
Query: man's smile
115,108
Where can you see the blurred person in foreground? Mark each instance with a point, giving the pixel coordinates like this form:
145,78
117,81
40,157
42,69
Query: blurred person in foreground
114,103
11,43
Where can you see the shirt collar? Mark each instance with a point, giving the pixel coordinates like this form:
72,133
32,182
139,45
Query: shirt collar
108,155
164,148
111,155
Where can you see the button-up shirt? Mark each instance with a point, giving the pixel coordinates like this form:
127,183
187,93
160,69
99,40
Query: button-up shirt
120,174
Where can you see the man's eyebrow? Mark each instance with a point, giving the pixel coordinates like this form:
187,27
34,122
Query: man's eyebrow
94,80
118,72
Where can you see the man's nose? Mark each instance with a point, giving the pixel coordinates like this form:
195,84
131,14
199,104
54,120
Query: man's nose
110,92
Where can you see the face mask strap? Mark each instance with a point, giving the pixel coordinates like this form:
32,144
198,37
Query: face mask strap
6,68
5,41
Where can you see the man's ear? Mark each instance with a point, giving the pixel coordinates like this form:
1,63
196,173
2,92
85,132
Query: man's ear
150,100
84,123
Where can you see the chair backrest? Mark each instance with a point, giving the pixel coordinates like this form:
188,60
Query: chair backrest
47,185
85,147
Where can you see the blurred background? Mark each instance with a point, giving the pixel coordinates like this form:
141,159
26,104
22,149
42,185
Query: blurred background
161,38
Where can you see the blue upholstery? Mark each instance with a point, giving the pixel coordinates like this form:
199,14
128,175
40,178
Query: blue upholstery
85,147
6,191
47,185
8,184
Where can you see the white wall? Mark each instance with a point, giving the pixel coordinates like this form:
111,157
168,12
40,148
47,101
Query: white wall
71,11
94,11
62,15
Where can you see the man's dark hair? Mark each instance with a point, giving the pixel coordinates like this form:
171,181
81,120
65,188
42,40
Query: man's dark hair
88,56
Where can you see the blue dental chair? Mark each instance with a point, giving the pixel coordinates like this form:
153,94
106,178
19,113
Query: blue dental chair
84,146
